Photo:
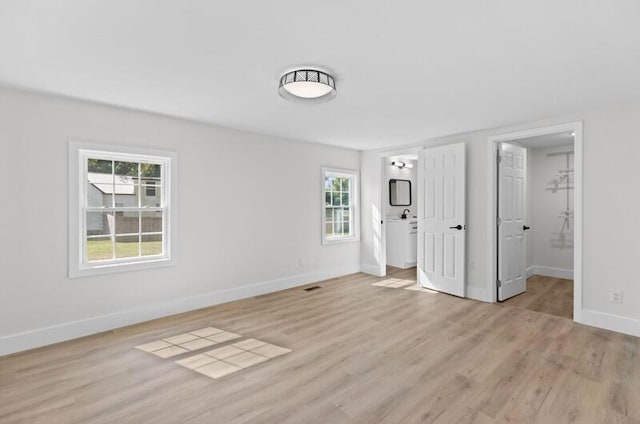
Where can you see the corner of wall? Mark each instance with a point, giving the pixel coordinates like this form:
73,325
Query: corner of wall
371,270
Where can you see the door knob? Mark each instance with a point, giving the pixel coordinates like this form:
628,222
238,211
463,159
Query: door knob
525,228
457,227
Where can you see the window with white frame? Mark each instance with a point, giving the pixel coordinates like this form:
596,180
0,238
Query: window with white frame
122,210
340,202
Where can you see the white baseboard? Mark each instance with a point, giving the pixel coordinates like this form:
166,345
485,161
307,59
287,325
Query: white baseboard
531,271
371,270
548,271
611,322
71,330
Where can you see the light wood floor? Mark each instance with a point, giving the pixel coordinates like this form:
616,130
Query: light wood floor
361,354
546,294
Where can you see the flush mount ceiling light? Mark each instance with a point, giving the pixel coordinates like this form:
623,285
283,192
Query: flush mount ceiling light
307,86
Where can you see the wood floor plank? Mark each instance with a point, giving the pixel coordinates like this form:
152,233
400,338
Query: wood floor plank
360,354
553,296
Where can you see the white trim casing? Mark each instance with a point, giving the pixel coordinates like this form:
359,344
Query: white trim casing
575,127
76,192
355,199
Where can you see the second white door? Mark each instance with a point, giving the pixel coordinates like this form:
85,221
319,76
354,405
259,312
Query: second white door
512,173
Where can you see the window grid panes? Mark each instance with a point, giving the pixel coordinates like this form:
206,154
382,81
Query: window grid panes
338,206
124,212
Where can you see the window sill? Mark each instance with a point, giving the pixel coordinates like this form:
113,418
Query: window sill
112,268
341,240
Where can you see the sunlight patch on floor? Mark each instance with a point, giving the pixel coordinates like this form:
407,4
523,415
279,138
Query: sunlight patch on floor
187,342
393,283
398,283
416,287
218,362
223,361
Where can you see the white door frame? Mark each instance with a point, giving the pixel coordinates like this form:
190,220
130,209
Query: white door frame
492,255
383,224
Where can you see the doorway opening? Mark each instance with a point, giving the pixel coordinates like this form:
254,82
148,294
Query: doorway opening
424,227
536,233
399,193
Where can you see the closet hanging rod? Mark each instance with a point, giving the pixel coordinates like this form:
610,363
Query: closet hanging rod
568,152
554,189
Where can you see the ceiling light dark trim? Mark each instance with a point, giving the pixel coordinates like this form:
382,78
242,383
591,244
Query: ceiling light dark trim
313,76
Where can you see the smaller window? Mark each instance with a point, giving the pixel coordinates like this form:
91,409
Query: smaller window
339,206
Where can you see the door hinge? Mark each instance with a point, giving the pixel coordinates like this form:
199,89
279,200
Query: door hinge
499,283
499,158
498,221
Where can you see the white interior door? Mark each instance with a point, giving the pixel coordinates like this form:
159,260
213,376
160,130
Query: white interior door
512,267
441,219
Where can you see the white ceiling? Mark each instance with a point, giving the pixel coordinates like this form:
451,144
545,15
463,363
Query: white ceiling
405,70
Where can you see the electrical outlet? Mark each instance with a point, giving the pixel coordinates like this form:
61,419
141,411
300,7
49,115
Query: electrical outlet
615,296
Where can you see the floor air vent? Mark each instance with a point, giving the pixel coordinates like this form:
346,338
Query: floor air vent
312,288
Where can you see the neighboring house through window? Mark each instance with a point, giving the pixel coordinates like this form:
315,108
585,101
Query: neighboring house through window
122,211
340,205
150,187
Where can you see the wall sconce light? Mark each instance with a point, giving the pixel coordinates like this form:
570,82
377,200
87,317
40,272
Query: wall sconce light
401,164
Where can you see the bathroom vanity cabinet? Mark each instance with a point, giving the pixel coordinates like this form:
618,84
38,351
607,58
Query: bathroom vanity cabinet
402,244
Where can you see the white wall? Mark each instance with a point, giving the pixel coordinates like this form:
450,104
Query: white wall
551,238
610,254
410,174
249,213
372,210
